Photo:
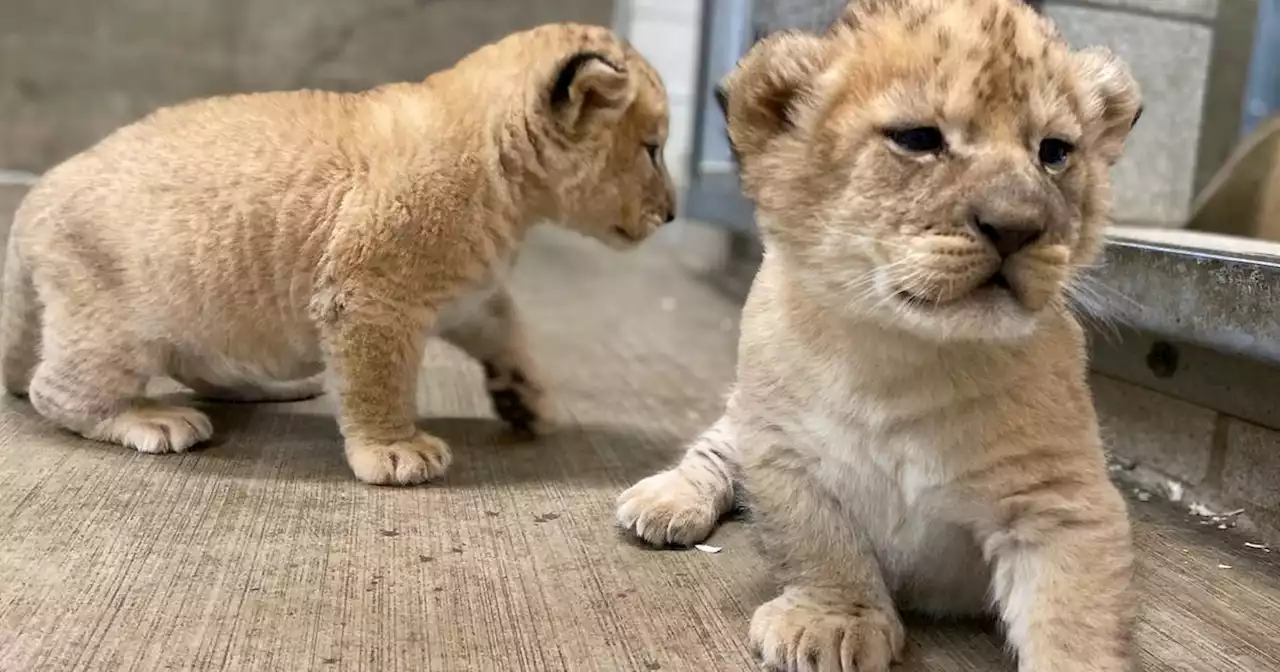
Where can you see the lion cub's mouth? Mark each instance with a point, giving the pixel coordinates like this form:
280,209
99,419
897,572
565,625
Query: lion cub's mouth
996,283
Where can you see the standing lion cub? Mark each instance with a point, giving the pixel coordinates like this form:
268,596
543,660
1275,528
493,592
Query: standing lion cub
241,245
911,418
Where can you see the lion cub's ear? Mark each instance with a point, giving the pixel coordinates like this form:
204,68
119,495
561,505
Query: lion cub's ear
1112,100
771,83
590,86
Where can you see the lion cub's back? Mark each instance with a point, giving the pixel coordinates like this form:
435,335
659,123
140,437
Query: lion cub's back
217,188
199,226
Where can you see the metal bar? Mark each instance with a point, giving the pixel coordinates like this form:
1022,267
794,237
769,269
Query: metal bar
727,34
1262,93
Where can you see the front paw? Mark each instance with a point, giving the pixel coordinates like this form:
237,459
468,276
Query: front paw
669,509
795,632
518,399
415,460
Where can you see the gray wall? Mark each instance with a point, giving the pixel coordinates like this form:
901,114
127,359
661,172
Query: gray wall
1168,44
73,70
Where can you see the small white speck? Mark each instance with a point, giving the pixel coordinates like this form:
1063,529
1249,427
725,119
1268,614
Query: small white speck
1201,510
668,304
1257,547
1222,566
1222,527
1144,496
1175,491
707,549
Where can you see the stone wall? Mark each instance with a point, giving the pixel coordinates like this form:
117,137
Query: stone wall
73,70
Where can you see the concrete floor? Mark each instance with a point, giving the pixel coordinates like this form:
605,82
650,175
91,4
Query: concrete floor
261,552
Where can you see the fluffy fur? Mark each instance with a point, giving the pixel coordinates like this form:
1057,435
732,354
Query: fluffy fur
254,246
911,421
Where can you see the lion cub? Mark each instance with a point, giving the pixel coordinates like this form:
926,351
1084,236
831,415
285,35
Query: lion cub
911,417
241,245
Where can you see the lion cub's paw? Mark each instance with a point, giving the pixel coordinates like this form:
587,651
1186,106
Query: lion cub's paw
795,632
668,509
156,429
519,400
415,460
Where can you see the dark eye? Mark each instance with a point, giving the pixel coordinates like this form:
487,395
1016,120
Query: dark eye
923,140
1054,153
652,149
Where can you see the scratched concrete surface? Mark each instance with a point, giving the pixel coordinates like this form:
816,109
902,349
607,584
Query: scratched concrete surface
261,552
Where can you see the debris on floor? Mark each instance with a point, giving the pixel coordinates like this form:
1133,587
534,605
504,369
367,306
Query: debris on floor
707,549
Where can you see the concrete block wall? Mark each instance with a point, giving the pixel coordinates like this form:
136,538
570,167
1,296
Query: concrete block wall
1225,463
669,34
1205,419
1168,44
73,70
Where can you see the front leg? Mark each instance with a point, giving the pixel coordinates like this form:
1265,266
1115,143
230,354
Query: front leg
1062,577
682,505
373,362
494,336
835,612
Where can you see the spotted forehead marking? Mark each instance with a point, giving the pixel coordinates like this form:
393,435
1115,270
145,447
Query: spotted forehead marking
1010,43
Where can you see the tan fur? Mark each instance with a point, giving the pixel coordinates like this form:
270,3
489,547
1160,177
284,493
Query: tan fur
245,244
910,434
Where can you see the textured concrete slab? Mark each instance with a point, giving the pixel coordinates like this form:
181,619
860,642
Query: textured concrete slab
261,552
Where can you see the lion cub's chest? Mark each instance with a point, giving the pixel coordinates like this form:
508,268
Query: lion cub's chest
893,479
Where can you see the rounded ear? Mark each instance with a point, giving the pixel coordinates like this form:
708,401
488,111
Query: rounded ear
765,91
589,85
1112,99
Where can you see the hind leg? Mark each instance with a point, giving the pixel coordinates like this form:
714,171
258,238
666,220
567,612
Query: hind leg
97,393
494,336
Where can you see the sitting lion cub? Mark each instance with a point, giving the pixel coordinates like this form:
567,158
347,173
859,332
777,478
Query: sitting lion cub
242,244
911,417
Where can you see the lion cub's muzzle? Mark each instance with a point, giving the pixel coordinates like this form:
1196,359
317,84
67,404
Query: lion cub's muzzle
647,226
1006,251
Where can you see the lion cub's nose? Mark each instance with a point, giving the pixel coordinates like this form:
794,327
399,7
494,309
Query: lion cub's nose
1009,236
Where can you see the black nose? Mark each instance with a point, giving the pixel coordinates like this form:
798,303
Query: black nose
670,217
1008,238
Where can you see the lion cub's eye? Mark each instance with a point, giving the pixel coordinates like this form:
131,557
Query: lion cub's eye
1055,153
922,140
651,148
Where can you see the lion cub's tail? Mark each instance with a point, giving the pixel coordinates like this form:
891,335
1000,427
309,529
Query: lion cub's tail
19,324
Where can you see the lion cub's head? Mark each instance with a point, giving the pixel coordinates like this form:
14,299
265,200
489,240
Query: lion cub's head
939,165
598,123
